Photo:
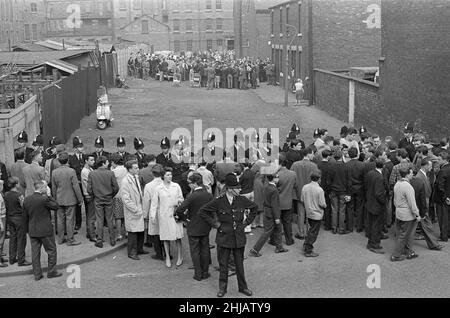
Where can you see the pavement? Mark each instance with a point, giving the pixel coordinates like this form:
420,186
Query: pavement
151,110
66,255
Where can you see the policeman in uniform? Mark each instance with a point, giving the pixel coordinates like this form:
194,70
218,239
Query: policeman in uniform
22,139
121,149
140,155
230,213
99,144
211,154
406,142
38,145
76,162
165,157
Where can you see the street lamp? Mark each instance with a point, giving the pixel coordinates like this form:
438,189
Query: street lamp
286,67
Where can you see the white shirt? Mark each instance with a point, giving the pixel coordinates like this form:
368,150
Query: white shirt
298,86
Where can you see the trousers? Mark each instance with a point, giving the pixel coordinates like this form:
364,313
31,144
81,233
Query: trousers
337,211
223,256
269,227
286,221
104,211
135,243
443,214
311,237
374,229
65,222
230,81
17,239
427,231
327,212
355,212
90,217
49,247
200,254
405,237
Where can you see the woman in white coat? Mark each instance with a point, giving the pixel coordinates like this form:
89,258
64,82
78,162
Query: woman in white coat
165,200
133,211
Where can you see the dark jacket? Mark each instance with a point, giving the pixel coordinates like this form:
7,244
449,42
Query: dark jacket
247,180
325,170
12,204
409,147
293,156
271,202
357,171
4,176
76,165
196,226
229,219
375,193
103,153
421,199
163,161
102,185
37,216
442,185
340,178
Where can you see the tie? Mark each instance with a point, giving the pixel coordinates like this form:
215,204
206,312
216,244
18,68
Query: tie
137,185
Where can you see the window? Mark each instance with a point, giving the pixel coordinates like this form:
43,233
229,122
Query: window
271,22
136,4
189,45
123,5
299,17
33,7
188,25
219,25
219,43
209,44
208,25
144,26
176,46
34,32
176,25
208,4
218,4
27,32
281,21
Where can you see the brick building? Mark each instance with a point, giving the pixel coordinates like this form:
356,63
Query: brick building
415,65
85,20
324,34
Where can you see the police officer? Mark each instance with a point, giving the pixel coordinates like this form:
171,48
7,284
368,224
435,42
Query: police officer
22,139
38,145
76,162
211,154
140,155
165,157
230,213
121,149
99,144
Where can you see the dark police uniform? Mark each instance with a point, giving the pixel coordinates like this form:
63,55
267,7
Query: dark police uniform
230,224
23,138
76,162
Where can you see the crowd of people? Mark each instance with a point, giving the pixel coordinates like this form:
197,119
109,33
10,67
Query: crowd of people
356,181
207,69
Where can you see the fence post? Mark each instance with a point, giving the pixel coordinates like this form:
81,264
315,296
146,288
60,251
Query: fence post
9,146
351,102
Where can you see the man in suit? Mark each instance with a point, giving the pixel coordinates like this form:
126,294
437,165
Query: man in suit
376,206
4,176
355,208
227,214
66,191
287,186
16,169
99,145
197,229
294,153
102,186
37,221
211,154
33,172
76,162
443,196
272,214
140,154
146,174
325,167
422,190
303,169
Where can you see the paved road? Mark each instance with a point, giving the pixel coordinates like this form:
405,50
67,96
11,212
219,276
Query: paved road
151,110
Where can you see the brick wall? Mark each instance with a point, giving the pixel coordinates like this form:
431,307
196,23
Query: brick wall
367,108
331,94
340,37
263,31
415,75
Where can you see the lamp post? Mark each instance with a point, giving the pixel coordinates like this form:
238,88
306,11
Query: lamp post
286,66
